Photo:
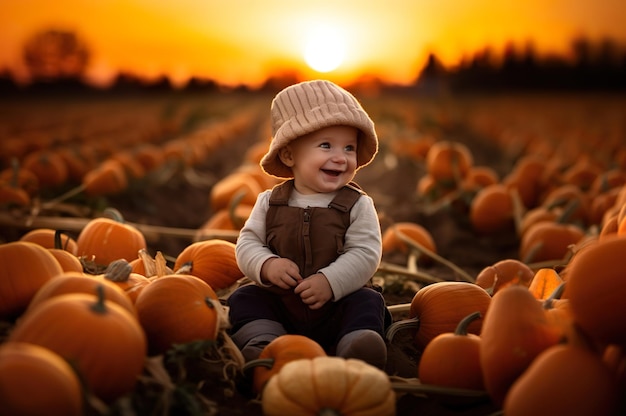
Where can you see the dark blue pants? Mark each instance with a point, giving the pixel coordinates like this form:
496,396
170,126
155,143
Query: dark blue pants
363,309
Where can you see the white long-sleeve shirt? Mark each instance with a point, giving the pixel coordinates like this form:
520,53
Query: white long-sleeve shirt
348,272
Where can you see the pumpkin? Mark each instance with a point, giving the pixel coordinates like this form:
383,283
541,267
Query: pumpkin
49,238
78,282
231,218
452,359
67,261
109,177
571,198
438,307
25,268
100,338
492,210
392,242
48,166
526,179
37,381
329,384
106,239
596,288
548,240
448,161
515,331
12,195
178,309
478,177
241,185
211,260
280,351
17,177
504,273
563,380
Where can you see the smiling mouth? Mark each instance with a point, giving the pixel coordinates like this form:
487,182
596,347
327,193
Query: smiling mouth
331,172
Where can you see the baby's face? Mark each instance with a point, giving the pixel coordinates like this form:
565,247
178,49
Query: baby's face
324,160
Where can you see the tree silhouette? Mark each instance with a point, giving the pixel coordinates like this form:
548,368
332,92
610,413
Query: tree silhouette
55,54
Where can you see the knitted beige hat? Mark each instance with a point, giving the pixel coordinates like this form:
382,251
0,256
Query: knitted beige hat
312,105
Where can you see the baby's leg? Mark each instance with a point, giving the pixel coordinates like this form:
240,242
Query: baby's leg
252,337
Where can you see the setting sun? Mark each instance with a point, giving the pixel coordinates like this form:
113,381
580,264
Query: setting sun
325,49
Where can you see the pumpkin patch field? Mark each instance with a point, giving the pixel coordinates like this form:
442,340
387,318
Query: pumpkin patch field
503,220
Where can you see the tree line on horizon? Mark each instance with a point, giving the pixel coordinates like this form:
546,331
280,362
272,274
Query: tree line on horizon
57,60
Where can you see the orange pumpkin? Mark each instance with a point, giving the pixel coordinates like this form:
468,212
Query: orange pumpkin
526,178
25,268
178,309
596,288
212,261
78,282
492,210
107,178
448,161
515,331
68,261
438,308
102,339
392,242
48,166
548,240
280,351
37,381
504,273
49,238
452,359
106,239
12,195
552,385
241,185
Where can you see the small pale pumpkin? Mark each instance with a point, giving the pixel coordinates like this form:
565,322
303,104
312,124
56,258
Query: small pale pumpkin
329,384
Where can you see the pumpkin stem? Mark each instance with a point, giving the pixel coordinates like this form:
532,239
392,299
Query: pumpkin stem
461,328
99,306
58,242
259,362
411,323
569,209
118,270
113,214
518,210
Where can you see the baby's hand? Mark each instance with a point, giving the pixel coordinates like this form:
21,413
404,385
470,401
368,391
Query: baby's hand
280,272
314,291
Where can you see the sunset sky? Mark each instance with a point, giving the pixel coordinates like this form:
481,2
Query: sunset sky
245,41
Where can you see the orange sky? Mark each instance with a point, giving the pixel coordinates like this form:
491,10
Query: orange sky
243,41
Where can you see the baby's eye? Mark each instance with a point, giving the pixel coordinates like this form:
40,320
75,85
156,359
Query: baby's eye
350,148
325,145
